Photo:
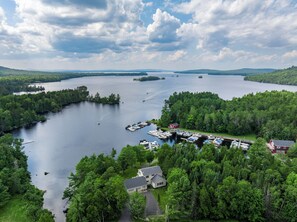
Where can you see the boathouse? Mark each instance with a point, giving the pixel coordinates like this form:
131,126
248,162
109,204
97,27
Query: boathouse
173,126
280,146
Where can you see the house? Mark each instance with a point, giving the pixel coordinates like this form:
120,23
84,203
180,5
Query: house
158,181
173,126
149,173
280,146
136,184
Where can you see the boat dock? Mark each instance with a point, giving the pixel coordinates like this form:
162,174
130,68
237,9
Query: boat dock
137,126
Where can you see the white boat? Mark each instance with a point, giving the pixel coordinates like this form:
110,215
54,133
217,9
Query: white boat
211,137
149,145
192,139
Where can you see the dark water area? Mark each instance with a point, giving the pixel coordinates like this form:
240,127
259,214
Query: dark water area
58,144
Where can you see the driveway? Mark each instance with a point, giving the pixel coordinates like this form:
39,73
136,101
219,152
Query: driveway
126,215
152,205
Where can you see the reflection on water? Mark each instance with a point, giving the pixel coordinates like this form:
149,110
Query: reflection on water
67,136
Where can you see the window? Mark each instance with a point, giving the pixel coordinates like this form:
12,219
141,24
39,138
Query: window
159,184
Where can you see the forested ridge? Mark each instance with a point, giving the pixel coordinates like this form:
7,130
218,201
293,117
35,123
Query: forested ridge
268,114
13,80
285,76
15,180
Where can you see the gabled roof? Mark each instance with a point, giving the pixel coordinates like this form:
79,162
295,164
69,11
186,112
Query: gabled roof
151,170
158,179
283,143
135,182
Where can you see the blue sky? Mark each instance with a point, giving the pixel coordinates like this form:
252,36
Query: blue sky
135,34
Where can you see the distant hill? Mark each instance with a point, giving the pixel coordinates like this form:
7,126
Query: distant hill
241,72
14,80
285,76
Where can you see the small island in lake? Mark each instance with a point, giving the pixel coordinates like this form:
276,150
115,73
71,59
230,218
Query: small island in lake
148,78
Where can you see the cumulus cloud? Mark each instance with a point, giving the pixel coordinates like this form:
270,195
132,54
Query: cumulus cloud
177,55
248,31
290,55
243,23
164,28
165,34
101,4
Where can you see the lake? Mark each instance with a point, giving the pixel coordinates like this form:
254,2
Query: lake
60,142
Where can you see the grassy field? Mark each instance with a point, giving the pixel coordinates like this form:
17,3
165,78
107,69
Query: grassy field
14,211
251,137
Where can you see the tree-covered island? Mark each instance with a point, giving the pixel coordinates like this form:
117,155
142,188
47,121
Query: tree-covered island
148,78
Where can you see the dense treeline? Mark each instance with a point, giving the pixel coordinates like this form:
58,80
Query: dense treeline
22,110
226,184
15,180
112,99
96,191
286,76
269,114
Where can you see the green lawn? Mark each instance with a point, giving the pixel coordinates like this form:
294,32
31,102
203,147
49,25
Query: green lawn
251,137
14,211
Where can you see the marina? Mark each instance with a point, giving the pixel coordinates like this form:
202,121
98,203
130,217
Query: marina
137,126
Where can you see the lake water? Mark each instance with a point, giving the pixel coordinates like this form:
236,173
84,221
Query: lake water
67,136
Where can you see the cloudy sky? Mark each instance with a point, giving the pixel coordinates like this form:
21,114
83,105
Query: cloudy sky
132,34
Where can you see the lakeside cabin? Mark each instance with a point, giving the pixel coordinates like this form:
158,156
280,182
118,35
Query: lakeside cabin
136,184
173,126
280,146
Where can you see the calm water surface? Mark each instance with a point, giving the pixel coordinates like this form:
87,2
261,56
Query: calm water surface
67,136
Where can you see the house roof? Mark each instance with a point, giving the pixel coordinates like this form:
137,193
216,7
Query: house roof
158,179
283,143
135,182
151,170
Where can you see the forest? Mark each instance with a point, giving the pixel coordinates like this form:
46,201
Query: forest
15,180
268,114
225,183
285,76
23,110
206,183
96,190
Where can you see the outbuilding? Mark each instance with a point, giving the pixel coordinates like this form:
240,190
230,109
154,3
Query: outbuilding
280,146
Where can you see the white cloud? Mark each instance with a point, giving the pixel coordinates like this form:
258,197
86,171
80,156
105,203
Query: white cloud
290,55
177,55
